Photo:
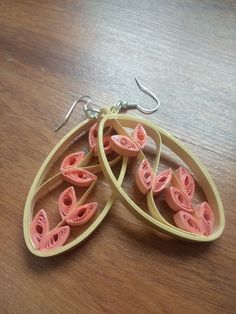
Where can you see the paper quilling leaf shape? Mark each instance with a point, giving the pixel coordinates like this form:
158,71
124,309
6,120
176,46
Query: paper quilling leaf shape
39,227
187,222
93,133
55,238
66,201
139,135
206,217
93,140
107,146
79,177
82,214
72,160
144,177
186,181
124,146
161,181
178,200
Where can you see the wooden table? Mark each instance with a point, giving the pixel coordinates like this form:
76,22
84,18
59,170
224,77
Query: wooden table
54,51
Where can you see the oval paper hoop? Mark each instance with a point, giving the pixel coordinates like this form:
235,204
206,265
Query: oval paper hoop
38,188
186,155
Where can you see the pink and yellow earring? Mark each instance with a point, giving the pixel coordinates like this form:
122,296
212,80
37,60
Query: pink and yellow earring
202,222
107,134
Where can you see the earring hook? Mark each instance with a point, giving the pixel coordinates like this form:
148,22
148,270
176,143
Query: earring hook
121,104
67,117
92,113
149,93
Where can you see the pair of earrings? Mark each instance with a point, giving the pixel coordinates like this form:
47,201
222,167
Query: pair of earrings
108,136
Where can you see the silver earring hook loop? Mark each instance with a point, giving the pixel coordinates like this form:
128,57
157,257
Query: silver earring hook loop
67,117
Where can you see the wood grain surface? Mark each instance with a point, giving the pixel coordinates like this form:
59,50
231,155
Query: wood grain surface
54,51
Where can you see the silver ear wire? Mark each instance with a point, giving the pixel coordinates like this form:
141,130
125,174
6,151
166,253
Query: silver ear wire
67,117
149,93
121,104
92,113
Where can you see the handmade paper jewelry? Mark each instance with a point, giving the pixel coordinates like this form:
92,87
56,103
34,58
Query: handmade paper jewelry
110,143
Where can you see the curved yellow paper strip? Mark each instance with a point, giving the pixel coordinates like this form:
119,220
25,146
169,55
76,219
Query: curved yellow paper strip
157,139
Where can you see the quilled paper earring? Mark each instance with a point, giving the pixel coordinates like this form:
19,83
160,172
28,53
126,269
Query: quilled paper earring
107,134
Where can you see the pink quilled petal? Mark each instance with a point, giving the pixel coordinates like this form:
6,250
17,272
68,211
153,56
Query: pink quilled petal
124,146
187,222
106,144
66,201
81,215
72,161
93,134
140,136
162,181
39,227
178,200
206,217
79,177
55,238
186,181
144,177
